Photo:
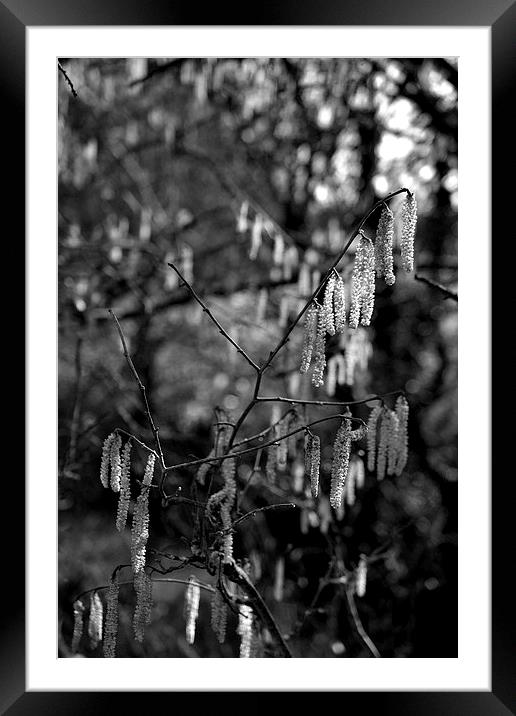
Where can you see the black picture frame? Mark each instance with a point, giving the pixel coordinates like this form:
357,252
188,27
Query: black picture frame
500,16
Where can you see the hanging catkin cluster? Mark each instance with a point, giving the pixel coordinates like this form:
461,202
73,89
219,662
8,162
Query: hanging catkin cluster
361,576
309,336
111,465
245,630
192,599
219,616
408,231
313,461
228,473
316,342
278,452
140,524
383,246
340,463
95,620
334,305
78,624
279,579
223,501
362,289
125,487
355,479
282,429
111,627
387,445
142,611
242,221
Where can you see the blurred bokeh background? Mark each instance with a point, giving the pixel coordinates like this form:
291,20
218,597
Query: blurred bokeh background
156,159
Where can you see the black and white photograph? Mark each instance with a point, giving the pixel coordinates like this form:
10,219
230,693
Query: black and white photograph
257,357
257,415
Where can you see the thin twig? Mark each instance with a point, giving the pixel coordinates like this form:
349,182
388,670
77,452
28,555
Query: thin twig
237,575
173,580
229,455
447,293
154,428
136,440
68,80
252,513
254,471
358,624
212,317
279,399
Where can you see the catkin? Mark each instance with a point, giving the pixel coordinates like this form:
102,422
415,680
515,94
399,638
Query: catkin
261,306
271,462
339,304
328,310
340,463
116,464
383,246
402,412
362,290
392,448
282,448
256,237
242,222
78,624
319,349
359,433
140,523
106,459
142,611
111,627
357,353
245,630
95,620
278,252
149,470
309,337
359,473
350,485
219,616
279,579
125,488
290,261
372,426
331,377
192,599
408,231
228,473
383,444
303,280
361,577
203,470
313,461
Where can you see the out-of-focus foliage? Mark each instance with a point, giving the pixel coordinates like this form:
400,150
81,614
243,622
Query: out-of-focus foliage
156,158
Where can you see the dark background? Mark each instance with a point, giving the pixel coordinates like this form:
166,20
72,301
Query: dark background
155,157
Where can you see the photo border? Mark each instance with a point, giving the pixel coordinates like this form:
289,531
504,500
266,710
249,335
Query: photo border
500,16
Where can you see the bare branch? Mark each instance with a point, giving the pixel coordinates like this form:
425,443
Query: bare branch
212,317
252,513
237,575
358,623
68,80
143,391
296,401
447,293
228,455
